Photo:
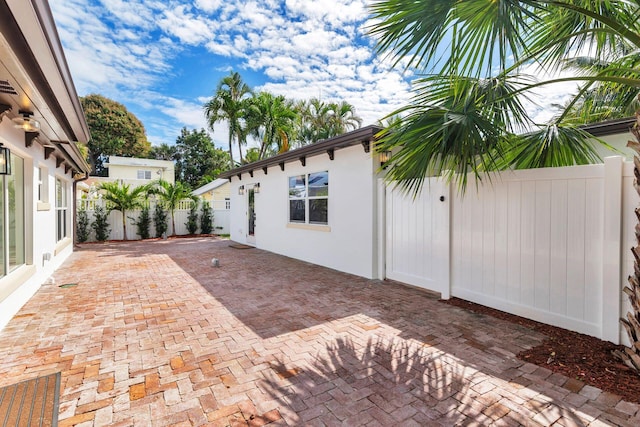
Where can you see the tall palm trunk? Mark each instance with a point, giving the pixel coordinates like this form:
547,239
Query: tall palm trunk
124,224
631,355
231,147
240,149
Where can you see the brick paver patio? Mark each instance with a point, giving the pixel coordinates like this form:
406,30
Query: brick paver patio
154,335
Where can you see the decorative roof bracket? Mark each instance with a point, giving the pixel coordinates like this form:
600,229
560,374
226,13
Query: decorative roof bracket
29,137
366,145
331,153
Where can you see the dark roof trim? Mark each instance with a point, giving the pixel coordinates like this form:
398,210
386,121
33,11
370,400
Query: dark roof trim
345,140
610,127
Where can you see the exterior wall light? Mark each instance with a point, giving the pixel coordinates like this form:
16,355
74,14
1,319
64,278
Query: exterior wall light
256,188
5,160
25,122
384,157
241,190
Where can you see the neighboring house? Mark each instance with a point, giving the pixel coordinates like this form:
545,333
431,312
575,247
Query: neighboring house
41,120
540,243
216,192
616,134
135,171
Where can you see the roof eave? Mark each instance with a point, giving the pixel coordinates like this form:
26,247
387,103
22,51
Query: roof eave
358,136
35,41
610,127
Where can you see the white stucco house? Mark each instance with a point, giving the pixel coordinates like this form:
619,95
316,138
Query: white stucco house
316,203
545,243
216,192
138,171
134,171
41,121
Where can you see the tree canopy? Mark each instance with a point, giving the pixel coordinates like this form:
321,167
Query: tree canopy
277,123
114,131
197,160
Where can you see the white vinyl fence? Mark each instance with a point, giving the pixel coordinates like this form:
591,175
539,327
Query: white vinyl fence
547,244
221,217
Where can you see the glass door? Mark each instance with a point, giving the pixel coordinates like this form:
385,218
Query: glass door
251,216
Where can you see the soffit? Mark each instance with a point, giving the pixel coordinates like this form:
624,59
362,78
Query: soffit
52,105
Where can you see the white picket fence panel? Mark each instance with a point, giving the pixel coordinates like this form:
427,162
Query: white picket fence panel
181,214
532,244
547,244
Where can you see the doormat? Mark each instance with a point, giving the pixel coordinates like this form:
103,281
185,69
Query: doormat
31,403
240,246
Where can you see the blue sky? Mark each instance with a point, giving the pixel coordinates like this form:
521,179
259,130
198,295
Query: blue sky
162,59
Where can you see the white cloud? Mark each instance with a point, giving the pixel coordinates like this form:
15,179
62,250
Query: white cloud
188,28
132,12
102,57
544,100
208,5
336,13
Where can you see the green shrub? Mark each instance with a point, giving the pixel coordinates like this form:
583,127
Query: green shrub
101,224
206,219
143,223
83,226
192,219
160,220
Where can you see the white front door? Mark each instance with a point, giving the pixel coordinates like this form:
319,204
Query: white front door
251,216
417,236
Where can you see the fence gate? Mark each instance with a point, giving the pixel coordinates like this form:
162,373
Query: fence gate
417,236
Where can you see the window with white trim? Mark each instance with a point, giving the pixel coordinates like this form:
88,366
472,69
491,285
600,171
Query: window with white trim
227,203
62,209
309,198
43,180
144,174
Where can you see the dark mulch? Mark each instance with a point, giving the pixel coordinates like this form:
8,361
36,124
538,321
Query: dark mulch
574,355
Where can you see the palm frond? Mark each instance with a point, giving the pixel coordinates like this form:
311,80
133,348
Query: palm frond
480,32
551,146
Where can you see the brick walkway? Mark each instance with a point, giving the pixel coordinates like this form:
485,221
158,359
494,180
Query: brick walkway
154,335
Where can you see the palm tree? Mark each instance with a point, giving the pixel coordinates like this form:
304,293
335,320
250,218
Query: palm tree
318,120
123,198
271,120
343,118
467,112
171,195
163,151
228,104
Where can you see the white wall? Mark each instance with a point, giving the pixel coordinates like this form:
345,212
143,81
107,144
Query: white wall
348,243
40,230
619,143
